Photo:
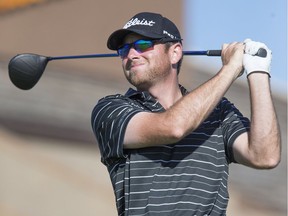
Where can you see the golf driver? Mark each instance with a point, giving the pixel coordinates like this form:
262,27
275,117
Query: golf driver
26,69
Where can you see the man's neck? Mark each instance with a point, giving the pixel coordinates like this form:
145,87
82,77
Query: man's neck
166,93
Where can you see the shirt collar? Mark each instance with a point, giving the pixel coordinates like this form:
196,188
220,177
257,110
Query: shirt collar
132,93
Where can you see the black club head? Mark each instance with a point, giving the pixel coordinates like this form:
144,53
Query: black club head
25,70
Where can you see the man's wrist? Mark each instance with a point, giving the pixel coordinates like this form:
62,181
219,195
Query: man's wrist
259,72
258,76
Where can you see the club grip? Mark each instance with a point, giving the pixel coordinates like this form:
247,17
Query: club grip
214,52
261,52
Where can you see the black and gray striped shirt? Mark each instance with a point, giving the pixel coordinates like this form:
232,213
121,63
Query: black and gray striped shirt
186,178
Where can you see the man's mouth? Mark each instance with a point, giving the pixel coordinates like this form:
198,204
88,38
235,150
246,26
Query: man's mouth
135,65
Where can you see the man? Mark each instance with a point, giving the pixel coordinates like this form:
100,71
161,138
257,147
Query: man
167,150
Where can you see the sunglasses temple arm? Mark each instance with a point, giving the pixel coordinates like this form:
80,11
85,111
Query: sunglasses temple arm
207,52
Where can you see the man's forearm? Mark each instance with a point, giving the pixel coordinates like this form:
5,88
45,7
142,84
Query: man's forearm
264,136
195,107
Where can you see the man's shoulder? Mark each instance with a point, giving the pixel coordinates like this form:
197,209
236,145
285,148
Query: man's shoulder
129,99
113,97
130,92
112,100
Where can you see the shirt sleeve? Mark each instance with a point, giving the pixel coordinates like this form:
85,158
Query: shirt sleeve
233,124
109,120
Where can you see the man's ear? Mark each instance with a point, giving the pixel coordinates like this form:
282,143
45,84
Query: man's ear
176,53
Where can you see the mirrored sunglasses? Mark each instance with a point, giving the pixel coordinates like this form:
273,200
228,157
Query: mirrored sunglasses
140,46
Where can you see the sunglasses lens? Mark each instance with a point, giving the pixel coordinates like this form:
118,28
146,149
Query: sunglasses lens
124,50
139,45
143,45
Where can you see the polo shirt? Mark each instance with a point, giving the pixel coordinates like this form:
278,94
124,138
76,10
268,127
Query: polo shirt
185,178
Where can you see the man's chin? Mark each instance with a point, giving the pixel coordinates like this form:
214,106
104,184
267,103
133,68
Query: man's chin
139,84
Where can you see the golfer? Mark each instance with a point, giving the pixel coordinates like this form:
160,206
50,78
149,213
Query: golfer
167,150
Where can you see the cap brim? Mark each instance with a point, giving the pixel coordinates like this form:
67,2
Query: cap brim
116,38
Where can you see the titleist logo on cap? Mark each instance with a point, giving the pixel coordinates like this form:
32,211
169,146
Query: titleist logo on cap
136,21
169,35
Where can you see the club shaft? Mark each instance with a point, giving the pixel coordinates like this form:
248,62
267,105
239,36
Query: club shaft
207,53
84,56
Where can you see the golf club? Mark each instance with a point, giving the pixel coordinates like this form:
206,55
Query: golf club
26,69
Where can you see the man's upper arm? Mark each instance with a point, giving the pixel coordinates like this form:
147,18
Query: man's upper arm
241,150
109,120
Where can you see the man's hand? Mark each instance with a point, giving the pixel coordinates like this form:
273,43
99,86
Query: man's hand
232,57
253,63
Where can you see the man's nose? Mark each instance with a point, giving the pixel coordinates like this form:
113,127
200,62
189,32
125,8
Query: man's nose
132,53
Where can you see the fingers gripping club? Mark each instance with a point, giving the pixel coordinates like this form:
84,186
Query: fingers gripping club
251,62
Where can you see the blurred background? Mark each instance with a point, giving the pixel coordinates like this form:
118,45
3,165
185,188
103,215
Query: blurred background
49,158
